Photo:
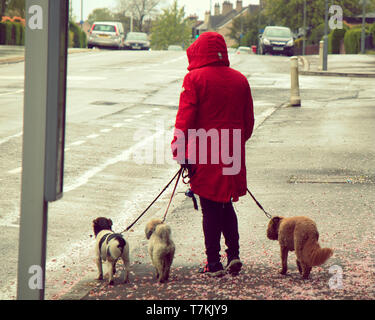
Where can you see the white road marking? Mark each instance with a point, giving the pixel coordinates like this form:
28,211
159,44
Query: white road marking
118,125
93,136
124,156
11,137
15,171
11,92
77,143
106,130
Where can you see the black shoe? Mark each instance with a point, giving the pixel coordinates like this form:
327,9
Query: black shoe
212,270
234,266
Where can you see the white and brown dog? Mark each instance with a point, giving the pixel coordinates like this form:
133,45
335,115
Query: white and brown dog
110,247
161,248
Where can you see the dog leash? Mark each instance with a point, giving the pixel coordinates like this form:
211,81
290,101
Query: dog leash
259,205
179,172
174,189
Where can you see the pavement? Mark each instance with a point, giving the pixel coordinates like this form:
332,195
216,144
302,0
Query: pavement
316,160
14,54
345,65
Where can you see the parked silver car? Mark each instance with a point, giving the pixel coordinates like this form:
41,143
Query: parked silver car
137,41
106,34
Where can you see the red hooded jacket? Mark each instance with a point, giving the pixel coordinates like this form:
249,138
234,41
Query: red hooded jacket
217,107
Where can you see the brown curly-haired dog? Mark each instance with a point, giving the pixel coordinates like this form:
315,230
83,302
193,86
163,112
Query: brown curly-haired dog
299,234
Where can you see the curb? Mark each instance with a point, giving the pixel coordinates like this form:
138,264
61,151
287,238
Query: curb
337,74
22,58
307,72
11,60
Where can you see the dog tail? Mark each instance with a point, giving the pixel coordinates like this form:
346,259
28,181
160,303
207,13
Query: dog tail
163,231
116,246
314,254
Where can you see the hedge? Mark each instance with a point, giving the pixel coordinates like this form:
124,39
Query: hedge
12,33
352,41
77,36
335,38
372,31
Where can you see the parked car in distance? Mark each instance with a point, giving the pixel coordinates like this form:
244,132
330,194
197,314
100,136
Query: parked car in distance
106,34
175,48
243,50
137,41
277,40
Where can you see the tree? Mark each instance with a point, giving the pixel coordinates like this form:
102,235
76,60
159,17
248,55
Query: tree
171,27
289,13
2,8
139,9
100,14
245,29
15,8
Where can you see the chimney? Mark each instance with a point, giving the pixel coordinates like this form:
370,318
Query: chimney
207,15
239,5
227,7
217,9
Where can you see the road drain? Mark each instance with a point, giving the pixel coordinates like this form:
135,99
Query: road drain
334,179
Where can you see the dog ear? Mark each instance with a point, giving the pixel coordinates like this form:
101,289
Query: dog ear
149,230
276,220
110,223
148,234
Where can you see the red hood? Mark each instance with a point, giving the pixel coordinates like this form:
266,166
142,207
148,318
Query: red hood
210,47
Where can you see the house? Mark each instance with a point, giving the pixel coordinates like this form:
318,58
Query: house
221,21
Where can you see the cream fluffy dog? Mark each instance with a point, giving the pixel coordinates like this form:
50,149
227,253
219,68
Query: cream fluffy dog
161,248
110,247
299,234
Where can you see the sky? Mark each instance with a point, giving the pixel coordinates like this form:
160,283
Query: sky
191,6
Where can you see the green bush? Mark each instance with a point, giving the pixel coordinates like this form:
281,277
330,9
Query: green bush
70,40
79,39
17,27
352,41
2,33
372,31
12,33
83,39
330,43
335,38
316,34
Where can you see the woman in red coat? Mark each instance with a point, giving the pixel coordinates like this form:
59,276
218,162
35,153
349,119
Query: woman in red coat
215,118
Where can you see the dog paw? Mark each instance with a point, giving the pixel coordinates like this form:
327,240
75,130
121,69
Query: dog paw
283,271
111,283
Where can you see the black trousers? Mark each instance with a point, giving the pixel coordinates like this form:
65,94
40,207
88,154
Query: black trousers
219,218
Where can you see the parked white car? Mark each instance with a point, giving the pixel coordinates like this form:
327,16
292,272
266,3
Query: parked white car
106,34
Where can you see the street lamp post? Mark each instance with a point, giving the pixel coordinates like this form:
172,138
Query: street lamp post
325,39
363,35
304,29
